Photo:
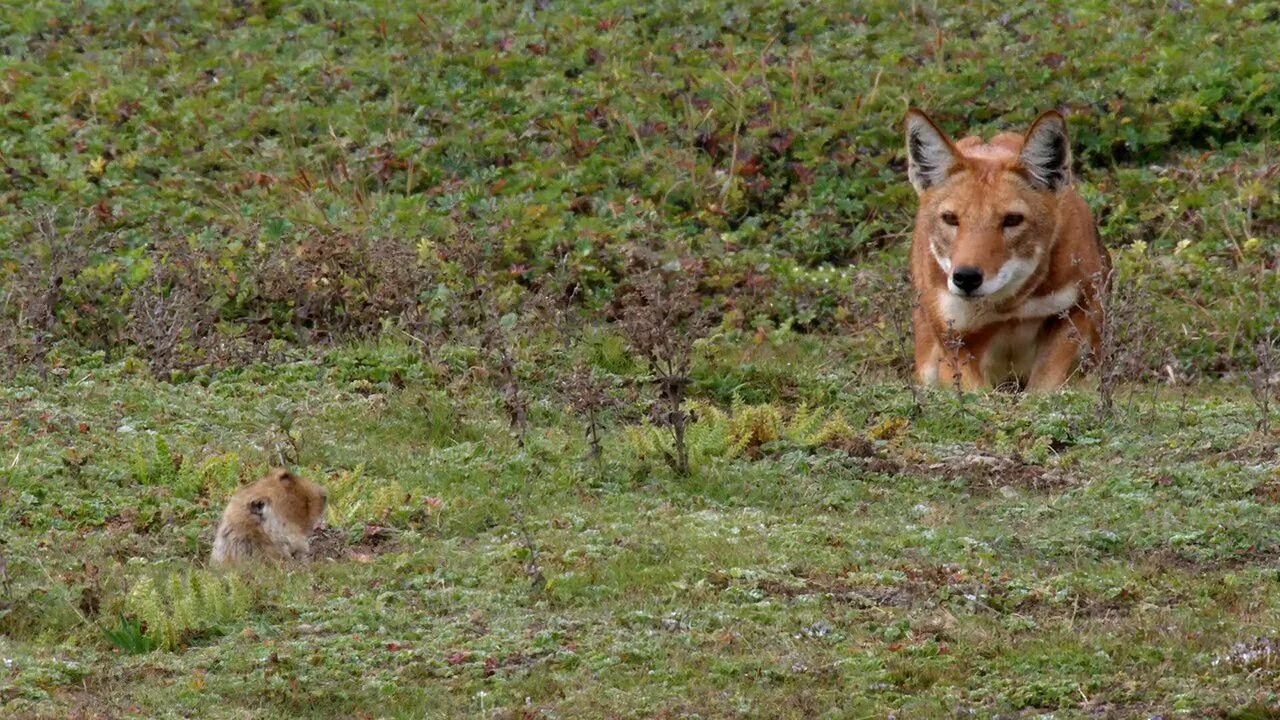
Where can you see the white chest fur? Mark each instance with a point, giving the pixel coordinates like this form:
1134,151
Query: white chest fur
964,316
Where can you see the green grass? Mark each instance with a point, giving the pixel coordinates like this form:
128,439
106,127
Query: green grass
996,554
309,232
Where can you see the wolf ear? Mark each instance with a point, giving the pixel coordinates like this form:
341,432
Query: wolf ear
930,153
1046,153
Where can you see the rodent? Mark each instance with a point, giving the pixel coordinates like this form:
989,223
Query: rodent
272,518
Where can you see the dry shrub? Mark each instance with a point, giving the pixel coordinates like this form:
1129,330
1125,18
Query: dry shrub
883,303
1128,335
37,292
336,285
662,316
201,306
588,395
1264,380
173,317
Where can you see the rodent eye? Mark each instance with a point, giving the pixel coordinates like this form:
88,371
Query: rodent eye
951,219
1012,220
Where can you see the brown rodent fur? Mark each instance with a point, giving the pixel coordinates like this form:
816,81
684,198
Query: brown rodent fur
272,518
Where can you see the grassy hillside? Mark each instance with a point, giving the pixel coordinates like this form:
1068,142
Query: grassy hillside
472,265
230,147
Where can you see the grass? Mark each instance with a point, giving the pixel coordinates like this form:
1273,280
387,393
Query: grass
435,259
1002,554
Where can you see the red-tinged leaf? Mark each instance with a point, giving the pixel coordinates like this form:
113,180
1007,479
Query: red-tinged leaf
536,48
459,657
804,175
490,665
649,128
598,117
83,427
750,167
782,141
103,211
708,143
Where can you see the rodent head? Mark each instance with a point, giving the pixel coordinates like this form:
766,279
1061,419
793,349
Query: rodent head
296,500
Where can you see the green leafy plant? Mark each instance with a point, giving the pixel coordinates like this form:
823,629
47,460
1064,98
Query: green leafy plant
173,610
129,637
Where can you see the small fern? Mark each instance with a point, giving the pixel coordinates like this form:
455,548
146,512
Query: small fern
157,467
807,423
218,476
745,429
708,435
186,605
753,426
161,466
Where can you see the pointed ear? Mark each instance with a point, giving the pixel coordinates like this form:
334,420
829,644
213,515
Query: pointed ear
1046,152
257,508
930,153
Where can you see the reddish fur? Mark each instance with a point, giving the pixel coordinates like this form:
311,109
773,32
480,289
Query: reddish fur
288,508
986,180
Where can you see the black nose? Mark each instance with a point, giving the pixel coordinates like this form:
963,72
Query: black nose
967,279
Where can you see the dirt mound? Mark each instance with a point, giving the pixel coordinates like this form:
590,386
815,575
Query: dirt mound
329,543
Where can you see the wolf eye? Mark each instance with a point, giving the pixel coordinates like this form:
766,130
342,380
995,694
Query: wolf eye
950,219
1013,220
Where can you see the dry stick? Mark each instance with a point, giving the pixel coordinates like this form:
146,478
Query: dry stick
518,416
1108,375
1267,351
493,335
672,379
899,336
954,344
593,438
900,332
587,396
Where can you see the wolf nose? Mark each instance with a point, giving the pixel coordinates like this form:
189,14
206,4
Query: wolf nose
967,279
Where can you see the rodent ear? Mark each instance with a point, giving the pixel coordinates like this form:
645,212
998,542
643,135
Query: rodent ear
286,477
257,507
